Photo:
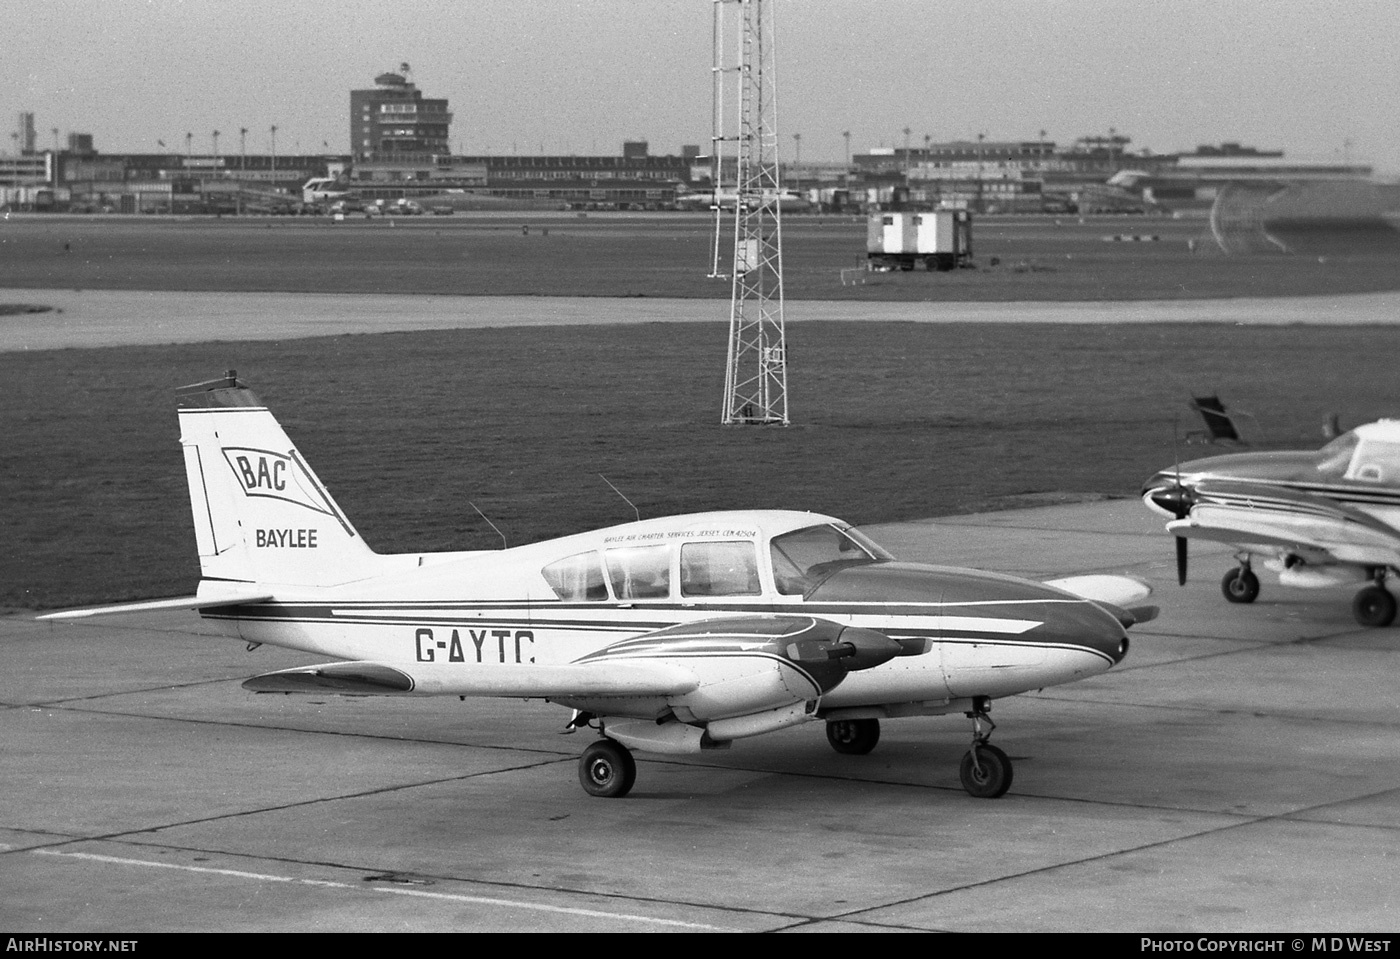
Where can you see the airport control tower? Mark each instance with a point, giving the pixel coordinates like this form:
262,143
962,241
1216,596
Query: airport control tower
394,119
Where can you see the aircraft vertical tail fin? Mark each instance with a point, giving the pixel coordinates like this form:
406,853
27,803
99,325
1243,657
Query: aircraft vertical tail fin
260,513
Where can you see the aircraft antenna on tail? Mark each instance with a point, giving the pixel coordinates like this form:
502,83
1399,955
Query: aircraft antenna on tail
746,185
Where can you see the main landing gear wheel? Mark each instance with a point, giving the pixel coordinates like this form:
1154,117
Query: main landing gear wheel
1374,606
853,737
1240,585
985,771
607,769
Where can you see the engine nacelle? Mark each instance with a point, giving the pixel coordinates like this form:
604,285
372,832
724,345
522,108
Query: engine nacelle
1319,577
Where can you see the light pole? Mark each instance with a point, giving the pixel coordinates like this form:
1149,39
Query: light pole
846,175
189,147
242,164
274,156
216,150
980,138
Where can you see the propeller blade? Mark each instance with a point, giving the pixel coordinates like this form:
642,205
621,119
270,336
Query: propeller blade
1181,560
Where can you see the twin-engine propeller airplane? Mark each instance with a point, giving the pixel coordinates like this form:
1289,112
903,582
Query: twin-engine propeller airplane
1323,518
669,636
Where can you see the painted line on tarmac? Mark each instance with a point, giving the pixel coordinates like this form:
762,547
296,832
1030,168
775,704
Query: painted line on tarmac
422,894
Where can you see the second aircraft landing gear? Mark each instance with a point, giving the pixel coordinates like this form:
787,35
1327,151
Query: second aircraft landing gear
1240,585
985,770
1374,605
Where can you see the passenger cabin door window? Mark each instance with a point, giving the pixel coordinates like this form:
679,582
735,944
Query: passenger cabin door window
640,572
719,569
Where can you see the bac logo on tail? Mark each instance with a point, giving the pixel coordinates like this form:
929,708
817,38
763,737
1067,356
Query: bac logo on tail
277,476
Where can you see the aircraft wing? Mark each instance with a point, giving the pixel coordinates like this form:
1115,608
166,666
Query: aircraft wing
1314,527
1103,588
505,680
1120,595
670,662
182,602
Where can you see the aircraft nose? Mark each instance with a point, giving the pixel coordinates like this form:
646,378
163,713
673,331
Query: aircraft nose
1165,494
1088,626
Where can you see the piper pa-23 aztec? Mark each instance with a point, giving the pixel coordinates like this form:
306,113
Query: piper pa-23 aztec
1326,517
669,636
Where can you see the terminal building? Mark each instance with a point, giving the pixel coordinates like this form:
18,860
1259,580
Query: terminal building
400,149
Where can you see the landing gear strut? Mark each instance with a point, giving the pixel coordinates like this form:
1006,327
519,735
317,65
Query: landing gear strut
985,770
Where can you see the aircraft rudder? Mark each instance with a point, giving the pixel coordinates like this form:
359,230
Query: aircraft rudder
260,512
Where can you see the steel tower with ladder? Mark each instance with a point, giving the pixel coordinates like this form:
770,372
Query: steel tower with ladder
746,184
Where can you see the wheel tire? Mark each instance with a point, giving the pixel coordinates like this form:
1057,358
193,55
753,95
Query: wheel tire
1240,586
1374,606
992,779
853,737
607,770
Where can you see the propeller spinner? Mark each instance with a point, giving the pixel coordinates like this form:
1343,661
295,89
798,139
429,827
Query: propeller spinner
1176,500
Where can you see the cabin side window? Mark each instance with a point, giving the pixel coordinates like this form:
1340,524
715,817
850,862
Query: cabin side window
719,569
577,578
640,572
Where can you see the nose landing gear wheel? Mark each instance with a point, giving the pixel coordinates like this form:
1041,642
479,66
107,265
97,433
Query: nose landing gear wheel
853,737
985,772
607,769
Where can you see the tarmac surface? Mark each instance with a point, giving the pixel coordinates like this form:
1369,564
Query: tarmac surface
86,318
1239,771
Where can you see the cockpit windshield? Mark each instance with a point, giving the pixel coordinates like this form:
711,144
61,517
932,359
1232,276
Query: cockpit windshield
804,557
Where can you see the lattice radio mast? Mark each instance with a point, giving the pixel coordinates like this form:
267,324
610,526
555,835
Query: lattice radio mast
745,178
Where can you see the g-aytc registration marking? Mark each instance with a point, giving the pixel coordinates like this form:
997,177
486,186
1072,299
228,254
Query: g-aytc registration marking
427,646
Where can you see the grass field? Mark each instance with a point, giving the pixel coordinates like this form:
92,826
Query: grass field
895,421
664,255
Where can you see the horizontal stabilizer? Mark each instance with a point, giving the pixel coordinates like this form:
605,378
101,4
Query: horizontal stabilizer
1121,591
505,680
157,605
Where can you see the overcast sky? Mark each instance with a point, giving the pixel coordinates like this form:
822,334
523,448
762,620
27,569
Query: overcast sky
1316,79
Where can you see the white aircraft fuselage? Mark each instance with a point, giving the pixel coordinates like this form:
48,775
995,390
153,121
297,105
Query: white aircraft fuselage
987,634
